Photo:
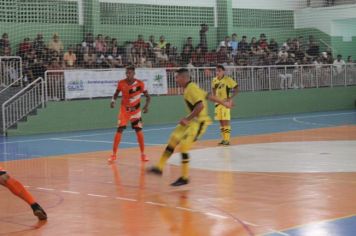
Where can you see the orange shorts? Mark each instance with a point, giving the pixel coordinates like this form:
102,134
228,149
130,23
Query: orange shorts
135,117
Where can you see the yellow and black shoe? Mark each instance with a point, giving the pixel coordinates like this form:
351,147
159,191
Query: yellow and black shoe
154,170
180,181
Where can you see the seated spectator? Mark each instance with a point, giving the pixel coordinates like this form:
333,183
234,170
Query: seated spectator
25,47
100,45
88,43
140,43
39,44
186,56
162,42
226,44
262,42
243,47
90,59
56,44
234,43
198,57
253,45
349,59
151,48
54,65
69,58
79,54
222,55
273,46
189,45
114,62
162,57
5,48
210,58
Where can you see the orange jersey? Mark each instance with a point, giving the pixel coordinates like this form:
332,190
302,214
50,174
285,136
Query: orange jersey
131,93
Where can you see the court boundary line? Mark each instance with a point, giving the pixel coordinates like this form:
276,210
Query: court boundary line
172,127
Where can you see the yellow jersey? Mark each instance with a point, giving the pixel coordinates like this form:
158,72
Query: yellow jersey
192,96
223,86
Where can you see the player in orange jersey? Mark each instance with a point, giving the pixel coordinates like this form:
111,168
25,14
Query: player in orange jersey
19,190
131,90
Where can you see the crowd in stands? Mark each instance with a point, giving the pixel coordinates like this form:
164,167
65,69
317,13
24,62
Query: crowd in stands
106,52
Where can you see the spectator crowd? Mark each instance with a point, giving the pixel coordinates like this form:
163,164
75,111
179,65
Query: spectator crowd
106,52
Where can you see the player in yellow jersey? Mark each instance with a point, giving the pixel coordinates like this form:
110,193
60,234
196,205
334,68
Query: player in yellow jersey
191,127
224,88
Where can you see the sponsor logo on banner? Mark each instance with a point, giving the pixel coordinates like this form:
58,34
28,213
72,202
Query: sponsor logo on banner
76,85
102,83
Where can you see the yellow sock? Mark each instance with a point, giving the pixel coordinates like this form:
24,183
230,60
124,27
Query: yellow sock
227,133
165,156
185,165
222,132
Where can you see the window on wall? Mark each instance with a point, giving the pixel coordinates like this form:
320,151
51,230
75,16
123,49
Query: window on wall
39,11
256,18
140,14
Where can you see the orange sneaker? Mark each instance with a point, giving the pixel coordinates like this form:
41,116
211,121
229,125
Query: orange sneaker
144,157
112,158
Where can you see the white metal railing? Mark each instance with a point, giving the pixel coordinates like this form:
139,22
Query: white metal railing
18,82
23,103
249,78
10,69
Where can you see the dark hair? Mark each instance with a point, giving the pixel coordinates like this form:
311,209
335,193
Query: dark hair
220,67
182,70
130,67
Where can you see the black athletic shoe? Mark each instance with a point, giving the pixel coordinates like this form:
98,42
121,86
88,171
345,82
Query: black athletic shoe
180,181
38,211
154,170
224,143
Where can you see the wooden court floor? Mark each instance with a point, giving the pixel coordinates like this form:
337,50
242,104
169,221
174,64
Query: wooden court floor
83,195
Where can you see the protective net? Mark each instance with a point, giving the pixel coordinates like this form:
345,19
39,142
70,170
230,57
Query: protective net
268,45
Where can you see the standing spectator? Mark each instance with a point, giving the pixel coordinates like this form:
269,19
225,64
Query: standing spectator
339,64
5,47
69,58
25,47
186,56
56,44
39,44
162,42
203,38
79,54
234,43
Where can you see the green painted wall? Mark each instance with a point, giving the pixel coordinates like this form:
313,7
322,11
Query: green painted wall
96,114
69,34
344,48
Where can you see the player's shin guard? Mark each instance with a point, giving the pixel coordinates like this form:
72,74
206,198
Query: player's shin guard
19,190
185,165
222,132
165,156
227,133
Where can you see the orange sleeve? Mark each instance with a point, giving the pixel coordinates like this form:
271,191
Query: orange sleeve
119,86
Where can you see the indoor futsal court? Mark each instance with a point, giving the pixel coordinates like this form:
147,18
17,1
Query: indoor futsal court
177,118
283,175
